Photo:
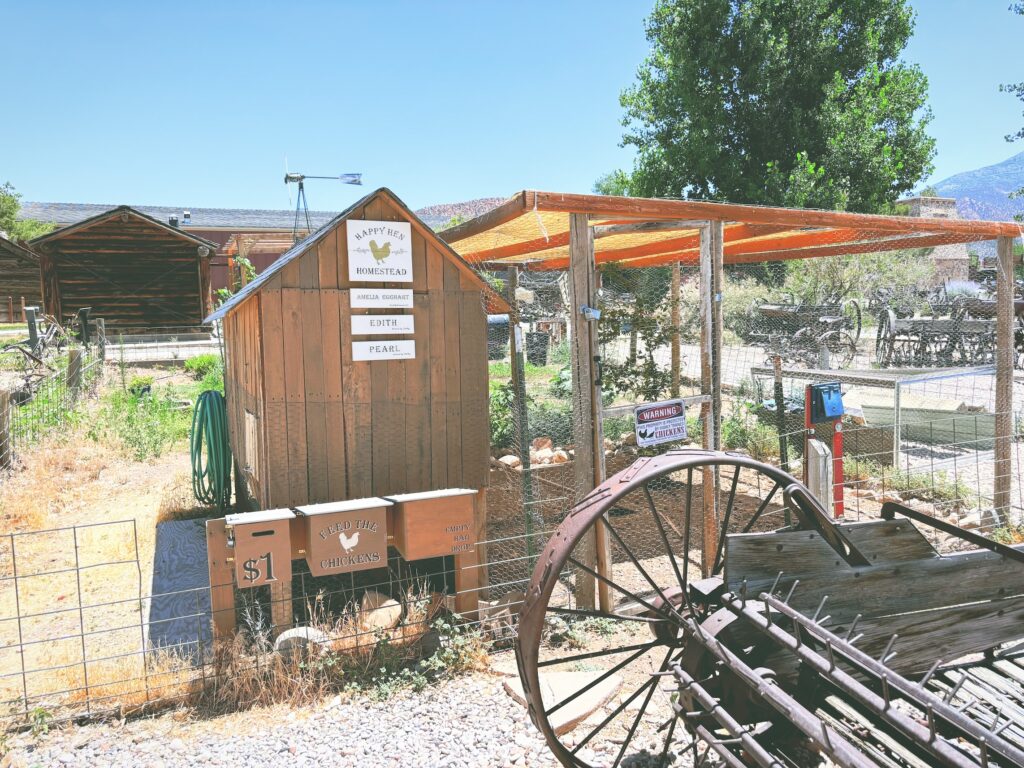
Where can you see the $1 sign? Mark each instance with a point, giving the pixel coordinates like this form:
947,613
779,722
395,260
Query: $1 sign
253,572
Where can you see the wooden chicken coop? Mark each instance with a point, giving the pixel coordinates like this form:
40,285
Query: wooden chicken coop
356,369
131,269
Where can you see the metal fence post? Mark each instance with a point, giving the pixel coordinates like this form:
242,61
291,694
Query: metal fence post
6,446
1002,482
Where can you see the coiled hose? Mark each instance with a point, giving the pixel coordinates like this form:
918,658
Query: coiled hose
210,450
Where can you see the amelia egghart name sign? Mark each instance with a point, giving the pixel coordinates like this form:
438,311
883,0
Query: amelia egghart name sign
379,251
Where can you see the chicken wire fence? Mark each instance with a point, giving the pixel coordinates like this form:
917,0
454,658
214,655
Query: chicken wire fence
93,625
910,334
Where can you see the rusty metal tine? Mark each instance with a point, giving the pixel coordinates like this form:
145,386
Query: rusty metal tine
792,589
888,648
831,655
929,673
743,593
931,723
775,584
853,626
885,690
952,692
983,746
821,607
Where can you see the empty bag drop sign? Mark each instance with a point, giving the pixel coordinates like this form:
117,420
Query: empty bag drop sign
379,251
657,423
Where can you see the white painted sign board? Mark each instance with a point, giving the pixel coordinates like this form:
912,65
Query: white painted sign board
381,298
381,324
662,422
379,251
404,349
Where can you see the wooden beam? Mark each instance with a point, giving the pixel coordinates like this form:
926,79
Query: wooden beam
754,214
222,585
644,227
1005,353
679,248
495,217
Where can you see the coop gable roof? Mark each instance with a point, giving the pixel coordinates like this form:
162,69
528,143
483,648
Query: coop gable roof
19,252
121,210
494,301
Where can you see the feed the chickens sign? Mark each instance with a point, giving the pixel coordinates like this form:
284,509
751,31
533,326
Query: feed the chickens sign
379,251
346,540
657,423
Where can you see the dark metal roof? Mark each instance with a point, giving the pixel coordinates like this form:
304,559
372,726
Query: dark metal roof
64,214
59,234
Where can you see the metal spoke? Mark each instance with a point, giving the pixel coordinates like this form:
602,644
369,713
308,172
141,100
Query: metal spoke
640,714
596,654
643,571
604,676
762,508
598,615
664,538
615,713
725,523
623,590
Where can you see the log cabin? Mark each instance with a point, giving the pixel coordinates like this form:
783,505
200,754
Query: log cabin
19,281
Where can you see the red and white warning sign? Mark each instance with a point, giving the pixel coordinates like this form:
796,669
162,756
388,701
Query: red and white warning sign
657,423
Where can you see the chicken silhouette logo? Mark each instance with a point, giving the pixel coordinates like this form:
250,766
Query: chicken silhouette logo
380,252
348,543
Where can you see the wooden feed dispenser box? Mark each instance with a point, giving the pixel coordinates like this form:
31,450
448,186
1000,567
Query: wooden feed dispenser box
435,523
346,536
262,546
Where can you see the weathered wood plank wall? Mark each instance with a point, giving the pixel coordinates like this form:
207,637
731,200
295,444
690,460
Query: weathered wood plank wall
19,279
333,428
132,273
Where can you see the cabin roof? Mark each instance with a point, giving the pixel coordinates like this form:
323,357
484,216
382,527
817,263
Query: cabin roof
121,210
18,251
493,299
65,214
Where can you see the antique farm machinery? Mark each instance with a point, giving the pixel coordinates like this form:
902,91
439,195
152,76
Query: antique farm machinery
813,643
807,333
960,332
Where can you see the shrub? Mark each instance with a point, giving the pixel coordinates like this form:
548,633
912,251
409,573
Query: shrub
201,366
143,425
502,418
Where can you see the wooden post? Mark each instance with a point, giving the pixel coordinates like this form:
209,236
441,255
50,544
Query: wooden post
711,387
6,449
586,400
10,309
74,376
22,309
1002,482
534,522
222,587
280,606
101,337
470,566
676,309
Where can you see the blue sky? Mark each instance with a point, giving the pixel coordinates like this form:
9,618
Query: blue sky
198,104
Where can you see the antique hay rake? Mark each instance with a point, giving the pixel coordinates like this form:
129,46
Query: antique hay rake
810,643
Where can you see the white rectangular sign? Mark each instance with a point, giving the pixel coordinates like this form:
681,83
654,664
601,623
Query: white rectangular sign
379,251
404,349
381,324
657,423
381,298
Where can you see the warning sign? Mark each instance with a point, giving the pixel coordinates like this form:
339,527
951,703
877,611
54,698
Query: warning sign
657,423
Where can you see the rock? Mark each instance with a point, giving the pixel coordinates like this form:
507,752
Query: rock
541,443
608,444
559,457
970,520
510,461
559,685
378,612
627,438
301,642
544,456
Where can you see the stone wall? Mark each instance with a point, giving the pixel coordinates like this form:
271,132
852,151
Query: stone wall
951,261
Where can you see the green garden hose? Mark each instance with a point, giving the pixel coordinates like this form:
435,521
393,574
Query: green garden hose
211,463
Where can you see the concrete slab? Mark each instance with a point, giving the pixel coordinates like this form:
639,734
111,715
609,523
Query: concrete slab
557,686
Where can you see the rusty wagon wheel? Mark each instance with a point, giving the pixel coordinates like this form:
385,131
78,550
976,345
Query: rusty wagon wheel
592,678
850,309
885,339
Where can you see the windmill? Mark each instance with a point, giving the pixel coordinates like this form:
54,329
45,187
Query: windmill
301,206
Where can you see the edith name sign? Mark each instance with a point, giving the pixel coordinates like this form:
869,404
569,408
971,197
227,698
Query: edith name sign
378,324
379,251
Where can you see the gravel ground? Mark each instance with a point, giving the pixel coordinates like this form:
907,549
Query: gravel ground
470,721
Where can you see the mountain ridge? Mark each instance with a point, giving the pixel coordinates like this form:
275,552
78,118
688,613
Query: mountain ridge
983,193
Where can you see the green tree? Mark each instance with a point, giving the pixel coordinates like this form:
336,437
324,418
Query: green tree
788,102
10,224
1017,89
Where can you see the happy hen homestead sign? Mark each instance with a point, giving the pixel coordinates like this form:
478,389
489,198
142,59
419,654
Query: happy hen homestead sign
379,251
